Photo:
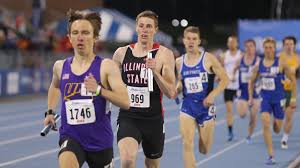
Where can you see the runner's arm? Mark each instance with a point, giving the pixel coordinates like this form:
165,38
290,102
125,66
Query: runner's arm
54,91
220,72
292,77
117,94
252,81
179,82
166,80
237,66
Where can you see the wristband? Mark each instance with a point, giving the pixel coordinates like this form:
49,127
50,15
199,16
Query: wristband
98,91
49,112
293,100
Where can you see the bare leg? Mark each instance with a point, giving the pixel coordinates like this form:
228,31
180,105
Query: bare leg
253,113
266,119
187,130
68,159
152,163
242,108
206,136
128,148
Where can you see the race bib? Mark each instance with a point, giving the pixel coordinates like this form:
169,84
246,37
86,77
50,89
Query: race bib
80,111
204,77
139,97
193,84
245,76
274,70
268,84
212,110
84,92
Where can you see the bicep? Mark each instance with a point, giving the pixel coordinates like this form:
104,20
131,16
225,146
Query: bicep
55,75
168,69
217,68
178,67
254,74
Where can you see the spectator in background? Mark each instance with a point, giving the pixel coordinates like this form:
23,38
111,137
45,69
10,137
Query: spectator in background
3,36
38,8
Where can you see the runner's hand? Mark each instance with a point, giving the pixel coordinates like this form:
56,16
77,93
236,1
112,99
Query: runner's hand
293,105
250,101
208,101
91,83
49,119
151,63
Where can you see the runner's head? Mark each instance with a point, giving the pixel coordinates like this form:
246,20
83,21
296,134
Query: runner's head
146,26
191,39
83,30
269,45
250,47
232,43
289,44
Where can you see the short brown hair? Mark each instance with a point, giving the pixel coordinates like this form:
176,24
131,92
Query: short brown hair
93,17
269,40
149,14
293,38
192,29
250,41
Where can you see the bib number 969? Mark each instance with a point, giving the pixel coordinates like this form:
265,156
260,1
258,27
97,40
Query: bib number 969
137,98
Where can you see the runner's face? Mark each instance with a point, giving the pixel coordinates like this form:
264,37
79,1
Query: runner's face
232,43
191,42
82,36
145,29
289,46
250,49
269,50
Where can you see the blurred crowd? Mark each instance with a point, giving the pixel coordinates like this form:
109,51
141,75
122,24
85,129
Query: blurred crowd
18,32
31,39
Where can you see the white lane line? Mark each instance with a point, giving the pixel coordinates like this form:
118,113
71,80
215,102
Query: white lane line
40,121
22,109
33,136
220,152
25,124
18,116
47,152
24,138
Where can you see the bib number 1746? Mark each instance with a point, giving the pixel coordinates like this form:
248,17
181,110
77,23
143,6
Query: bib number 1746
82,113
